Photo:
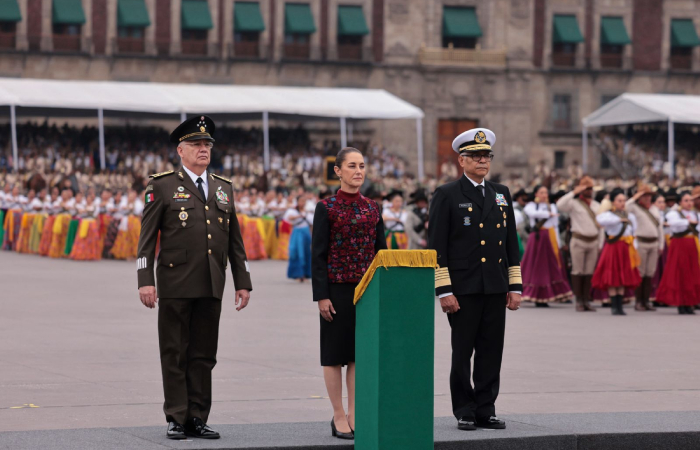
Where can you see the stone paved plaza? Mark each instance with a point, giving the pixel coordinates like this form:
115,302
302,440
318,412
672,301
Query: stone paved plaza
78,350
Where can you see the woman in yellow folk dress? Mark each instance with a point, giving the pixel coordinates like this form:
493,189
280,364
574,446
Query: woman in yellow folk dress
395,218
127,241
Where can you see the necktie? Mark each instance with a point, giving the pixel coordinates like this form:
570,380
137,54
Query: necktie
201,189
481,188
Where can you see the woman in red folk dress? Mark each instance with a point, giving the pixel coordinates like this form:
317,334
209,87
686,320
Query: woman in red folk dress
680,283
617,268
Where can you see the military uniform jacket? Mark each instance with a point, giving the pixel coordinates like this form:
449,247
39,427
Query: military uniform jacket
198,238
475,238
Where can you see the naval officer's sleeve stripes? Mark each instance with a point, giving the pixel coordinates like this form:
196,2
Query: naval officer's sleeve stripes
141,263
442,277
514,276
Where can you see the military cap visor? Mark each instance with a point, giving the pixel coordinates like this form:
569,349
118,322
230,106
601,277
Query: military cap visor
194,129
474,140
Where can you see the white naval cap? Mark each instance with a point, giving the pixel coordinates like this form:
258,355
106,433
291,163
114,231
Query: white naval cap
474,140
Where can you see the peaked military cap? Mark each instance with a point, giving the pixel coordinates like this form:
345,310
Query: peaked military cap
474,140
192,129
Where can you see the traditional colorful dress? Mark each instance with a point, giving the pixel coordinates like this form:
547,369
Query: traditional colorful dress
46,235
619,260
543,269
299,244
252,230
59,236
680,283
394,230
284,232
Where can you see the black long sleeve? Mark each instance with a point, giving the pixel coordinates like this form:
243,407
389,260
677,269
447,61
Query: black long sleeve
380,241
320,241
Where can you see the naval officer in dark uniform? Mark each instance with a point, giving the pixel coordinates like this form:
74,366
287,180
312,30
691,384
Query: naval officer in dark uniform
194,213
472,228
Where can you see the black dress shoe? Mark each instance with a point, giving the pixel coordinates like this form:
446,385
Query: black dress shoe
195,427
340,434
466,424
175,431
493,422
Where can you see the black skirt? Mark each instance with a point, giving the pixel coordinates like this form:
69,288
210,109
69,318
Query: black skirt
338,337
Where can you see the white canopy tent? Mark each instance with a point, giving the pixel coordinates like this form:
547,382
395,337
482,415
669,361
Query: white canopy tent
645,108
162,98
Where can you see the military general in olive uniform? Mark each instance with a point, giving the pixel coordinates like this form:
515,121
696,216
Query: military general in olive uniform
194,213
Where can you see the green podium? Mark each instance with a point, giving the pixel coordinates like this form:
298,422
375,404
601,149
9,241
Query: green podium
394,352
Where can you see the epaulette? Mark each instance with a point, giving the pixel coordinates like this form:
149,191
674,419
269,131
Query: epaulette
222,178
162,174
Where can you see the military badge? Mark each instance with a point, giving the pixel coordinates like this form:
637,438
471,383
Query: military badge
180,189
149,187
501,200
465,205
467,221
149,198
181,196
183,215
480,137
221,196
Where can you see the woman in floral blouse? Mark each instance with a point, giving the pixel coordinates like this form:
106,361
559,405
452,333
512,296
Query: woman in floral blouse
347,232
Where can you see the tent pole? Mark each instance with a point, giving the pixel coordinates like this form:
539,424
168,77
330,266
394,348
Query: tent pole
584,161
15,151
350,132
101,126
419,142
671,151
183,116
343,133
266,140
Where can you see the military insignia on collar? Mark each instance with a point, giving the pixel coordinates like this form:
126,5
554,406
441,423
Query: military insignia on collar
480,137
467,221
221,196
501,200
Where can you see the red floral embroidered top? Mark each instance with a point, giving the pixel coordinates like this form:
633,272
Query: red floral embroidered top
348,231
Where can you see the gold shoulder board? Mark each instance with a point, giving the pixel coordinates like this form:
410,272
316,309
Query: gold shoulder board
221,178
162,174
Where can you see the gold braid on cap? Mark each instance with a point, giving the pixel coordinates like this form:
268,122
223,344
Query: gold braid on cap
205,134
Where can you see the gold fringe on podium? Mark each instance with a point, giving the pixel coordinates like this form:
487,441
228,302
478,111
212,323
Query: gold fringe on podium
395,258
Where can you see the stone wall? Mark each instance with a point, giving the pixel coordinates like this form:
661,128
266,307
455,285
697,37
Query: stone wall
513,98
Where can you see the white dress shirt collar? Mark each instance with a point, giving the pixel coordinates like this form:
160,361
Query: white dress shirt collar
474,182
194,176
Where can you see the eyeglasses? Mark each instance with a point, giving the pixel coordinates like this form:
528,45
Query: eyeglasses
477,157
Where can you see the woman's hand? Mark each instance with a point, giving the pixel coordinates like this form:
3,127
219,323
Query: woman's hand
326,309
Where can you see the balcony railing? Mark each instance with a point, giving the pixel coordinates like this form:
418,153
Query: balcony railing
124,45
611,61
192,47
681,62
8,41
296,51
564,59
67,43
461,56
349,52
245,49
